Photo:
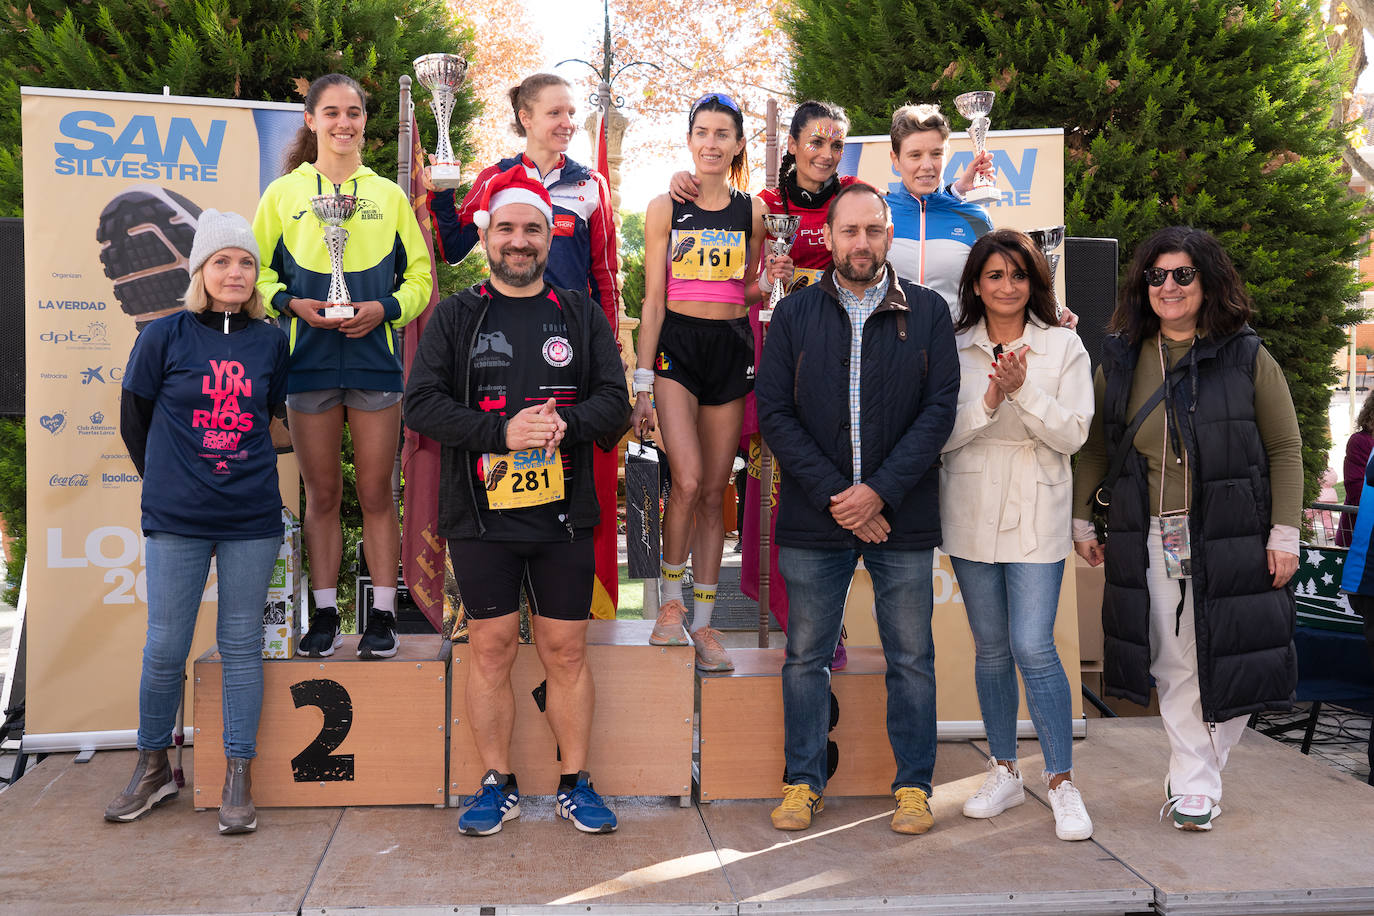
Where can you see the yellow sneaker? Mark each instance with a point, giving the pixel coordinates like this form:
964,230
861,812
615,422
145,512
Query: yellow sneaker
711,655
913,811
668,628
799,802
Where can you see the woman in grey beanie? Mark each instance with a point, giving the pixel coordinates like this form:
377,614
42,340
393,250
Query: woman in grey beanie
199,391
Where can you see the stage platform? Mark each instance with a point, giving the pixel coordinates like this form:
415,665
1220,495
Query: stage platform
1295,837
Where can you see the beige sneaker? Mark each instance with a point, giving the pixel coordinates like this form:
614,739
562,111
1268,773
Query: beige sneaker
799,802
669,628
913,811
711,655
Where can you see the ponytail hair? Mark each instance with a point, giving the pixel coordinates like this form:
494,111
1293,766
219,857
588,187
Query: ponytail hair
523,96
305,146
739,166
806,113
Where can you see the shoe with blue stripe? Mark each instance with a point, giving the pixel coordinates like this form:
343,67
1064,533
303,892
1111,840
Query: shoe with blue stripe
581,805
492,806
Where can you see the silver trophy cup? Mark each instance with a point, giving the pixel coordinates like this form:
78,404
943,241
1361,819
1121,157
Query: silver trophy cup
333,210
975,106
443,75
1047,240
782,228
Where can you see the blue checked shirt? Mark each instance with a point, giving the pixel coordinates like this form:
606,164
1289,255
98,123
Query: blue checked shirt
858,310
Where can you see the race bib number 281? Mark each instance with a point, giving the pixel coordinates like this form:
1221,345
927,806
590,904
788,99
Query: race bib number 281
518,480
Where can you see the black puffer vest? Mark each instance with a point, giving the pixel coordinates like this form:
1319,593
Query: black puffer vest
1244,626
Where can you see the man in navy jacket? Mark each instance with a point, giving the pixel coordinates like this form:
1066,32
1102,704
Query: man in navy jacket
856,392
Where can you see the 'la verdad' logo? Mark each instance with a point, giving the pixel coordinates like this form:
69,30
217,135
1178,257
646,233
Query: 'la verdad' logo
99,146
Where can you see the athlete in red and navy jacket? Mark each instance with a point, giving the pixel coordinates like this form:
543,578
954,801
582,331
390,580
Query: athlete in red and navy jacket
583,255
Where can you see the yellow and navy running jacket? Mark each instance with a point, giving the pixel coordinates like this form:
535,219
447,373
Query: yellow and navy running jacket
385,260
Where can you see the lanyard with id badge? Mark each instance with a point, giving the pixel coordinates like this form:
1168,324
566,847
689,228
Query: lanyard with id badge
1173,526
519,480
708,254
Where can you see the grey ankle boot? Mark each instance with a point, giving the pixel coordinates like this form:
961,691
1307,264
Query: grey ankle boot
236,811
151,785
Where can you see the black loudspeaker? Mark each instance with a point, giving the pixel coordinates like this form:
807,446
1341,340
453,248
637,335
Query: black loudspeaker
1090,269
12,317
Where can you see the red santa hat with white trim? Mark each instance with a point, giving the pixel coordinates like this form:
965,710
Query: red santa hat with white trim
513,186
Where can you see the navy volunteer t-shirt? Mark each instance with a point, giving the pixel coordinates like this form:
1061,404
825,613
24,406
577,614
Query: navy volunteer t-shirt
211,470
522,358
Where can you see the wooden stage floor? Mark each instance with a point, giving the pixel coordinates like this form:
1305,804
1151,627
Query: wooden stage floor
1295,837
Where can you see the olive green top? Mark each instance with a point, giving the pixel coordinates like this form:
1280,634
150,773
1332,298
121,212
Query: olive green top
1274,415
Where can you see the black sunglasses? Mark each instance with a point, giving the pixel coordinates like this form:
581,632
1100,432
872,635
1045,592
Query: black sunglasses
1183,276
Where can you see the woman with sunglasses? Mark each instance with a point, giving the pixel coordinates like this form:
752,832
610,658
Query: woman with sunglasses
1195,452
808,177
694,331
1025,400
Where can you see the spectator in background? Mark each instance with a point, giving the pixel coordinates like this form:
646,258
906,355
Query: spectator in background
1357,450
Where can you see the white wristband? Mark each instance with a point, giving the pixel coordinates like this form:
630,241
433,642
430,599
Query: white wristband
643,381
765,283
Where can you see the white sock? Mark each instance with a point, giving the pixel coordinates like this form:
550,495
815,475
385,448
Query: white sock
384,599
703,603
670,583
326,597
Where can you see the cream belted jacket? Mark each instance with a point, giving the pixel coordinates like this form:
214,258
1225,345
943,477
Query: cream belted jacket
1005,486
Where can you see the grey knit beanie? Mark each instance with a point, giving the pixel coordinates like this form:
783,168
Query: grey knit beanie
216,230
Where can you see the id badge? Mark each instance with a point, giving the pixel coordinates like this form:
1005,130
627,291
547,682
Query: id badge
1178,550
519,480
708,254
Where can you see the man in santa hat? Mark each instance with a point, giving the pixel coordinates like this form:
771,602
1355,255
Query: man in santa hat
517,380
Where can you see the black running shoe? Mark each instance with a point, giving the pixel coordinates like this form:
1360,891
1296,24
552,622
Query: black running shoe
145,236
379,639
323,637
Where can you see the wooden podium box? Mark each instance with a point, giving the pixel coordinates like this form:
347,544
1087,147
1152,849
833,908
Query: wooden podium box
337,730
641,732
742,730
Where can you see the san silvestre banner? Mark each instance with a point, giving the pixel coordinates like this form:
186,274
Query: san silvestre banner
114,184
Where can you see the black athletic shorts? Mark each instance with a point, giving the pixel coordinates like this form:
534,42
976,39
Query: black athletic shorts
713,358
557,576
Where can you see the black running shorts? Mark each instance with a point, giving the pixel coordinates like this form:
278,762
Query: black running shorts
557,576
713,358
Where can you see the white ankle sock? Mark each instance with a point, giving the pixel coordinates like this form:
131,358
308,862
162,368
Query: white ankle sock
703,603
384,599
326,597
670,583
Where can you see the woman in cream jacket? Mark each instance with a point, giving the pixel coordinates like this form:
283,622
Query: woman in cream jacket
1025,401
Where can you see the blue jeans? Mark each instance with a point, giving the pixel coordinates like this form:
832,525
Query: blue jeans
1011,609
177,570
817,582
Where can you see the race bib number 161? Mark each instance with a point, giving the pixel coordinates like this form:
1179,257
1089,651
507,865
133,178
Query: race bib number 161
708,254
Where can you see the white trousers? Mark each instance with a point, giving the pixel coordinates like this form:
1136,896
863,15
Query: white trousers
1197,750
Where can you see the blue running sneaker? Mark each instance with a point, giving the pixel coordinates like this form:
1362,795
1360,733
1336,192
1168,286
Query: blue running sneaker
584,807
493,805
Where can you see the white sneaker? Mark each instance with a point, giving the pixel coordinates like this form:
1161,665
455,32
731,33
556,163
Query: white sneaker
1001,789
1071,821
1191,812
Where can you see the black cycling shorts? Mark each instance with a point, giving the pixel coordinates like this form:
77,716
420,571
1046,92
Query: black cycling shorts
557,576
713,358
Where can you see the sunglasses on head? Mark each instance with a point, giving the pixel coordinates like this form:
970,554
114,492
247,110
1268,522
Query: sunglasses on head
718,98
1183,276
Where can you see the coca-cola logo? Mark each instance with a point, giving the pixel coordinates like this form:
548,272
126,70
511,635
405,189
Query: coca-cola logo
70,480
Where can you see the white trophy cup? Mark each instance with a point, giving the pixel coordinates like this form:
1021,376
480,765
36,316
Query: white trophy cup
975,106
1047,240
443,75
782,228
333,210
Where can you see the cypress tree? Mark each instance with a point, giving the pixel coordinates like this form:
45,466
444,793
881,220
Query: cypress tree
1211,113
221,49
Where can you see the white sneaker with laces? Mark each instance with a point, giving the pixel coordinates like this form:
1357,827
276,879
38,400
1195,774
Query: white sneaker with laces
1191,812
1001,789
1071,821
